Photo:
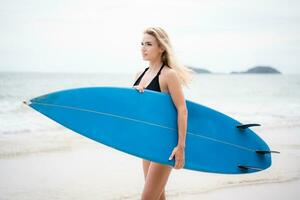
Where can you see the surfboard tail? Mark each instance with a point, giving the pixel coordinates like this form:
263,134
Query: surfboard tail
247,168
263,152
244,126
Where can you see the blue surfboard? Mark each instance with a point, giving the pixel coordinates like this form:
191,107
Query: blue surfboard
145,125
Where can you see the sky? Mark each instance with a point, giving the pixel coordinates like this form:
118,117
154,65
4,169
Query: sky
104,36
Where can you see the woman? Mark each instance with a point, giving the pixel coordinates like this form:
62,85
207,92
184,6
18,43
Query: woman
164,74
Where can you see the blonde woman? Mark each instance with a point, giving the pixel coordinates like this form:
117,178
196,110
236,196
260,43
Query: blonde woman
164,74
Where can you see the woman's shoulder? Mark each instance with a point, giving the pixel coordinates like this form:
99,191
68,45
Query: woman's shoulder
169,72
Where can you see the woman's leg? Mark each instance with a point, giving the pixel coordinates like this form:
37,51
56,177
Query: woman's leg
156,177
146,164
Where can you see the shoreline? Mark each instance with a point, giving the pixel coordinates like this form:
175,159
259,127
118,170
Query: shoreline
271,190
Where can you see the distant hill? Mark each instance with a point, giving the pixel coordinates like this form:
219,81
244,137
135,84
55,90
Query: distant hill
259,70
199,70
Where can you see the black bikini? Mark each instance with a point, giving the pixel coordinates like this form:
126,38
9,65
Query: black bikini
154,84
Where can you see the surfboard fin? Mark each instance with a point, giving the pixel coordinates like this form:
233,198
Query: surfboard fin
244,126
246,167
263,152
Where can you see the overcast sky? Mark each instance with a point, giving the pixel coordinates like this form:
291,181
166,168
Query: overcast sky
105,36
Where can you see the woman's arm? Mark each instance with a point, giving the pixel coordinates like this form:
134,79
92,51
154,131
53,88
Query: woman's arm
176,92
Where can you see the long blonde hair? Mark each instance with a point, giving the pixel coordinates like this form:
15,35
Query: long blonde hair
168,57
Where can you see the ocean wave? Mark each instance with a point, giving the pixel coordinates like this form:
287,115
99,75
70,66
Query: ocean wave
11,153
13,106
6,97
20,130
12,146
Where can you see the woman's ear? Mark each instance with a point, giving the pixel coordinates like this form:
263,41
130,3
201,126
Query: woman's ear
162,49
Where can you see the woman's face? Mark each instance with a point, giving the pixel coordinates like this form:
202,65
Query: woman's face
150,48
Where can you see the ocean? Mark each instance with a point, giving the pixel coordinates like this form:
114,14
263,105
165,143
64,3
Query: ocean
40,159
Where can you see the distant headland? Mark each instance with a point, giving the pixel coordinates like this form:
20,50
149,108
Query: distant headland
259,70
199,70
253,70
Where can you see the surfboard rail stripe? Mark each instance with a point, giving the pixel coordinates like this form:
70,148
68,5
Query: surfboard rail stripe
141,121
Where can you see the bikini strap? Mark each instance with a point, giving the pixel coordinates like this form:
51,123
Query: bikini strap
140,77
160,69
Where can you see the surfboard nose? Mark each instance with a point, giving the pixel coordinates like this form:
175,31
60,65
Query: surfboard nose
27,102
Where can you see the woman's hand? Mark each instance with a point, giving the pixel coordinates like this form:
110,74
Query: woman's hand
139,88
179,154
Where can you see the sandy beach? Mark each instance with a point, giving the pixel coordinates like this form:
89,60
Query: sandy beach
275,191
87,170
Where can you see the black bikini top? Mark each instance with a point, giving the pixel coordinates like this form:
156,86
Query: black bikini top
154,84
